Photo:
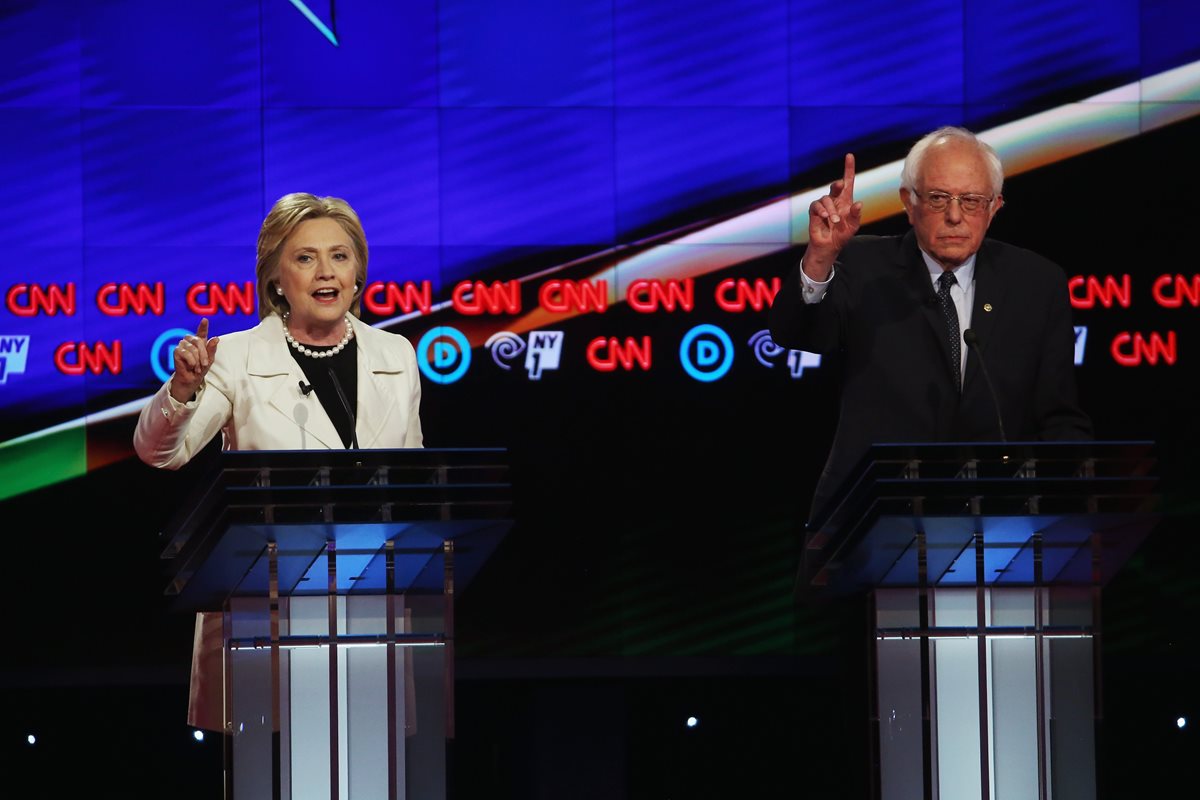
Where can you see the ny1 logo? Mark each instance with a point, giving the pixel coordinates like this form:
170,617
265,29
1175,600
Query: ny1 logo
14,353
544,351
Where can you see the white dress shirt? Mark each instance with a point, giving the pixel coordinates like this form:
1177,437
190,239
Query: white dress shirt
962,292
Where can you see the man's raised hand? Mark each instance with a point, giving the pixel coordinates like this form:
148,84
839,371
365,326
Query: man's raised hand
832,221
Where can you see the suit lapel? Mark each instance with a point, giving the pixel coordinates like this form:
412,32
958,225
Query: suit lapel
376,394
989,296
269,361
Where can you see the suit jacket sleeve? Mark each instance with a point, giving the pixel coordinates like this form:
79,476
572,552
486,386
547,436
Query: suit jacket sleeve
169,434
797,325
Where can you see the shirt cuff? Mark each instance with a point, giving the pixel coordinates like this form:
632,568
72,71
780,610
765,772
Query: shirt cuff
173,406
814,291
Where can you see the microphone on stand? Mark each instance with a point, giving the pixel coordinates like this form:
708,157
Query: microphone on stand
337,385
972,340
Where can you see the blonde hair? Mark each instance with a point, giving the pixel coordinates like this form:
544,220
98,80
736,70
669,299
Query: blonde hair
287,213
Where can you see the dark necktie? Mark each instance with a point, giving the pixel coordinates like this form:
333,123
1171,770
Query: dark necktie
950,312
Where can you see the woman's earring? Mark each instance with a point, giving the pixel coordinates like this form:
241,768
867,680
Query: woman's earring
279,291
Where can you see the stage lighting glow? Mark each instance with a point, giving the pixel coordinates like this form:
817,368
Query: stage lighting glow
317,23
1181,723
692,722
198,736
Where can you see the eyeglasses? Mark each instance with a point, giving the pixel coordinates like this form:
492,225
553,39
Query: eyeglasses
969,203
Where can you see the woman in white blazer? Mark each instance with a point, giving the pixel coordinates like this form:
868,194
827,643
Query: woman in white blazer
310,375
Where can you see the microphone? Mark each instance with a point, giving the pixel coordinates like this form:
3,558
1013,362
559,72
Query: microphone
305,388
337,385
972,340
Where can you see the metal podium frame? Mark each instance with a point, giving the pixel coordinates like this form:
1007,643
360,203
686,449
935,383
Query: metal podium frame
984,564
334,575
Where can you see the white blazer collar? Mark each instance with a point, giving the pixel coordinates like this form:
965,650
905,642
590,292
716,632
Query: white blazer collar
268,357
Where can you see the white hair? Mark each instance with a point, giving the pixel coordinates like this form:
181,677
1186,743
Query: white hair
912,162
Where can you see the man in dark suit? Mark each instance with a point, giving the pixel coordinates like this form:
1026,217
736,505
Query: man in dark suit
882,305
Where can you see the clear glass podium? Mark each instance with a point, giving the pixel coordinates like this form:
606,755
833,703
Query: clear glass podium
325,582
984,565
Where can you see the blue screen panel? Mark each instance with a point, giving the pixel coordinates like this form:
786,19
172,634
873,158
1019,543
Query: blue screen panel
150,53
170,176
673,160
385,56
892,54
1027,55
383,162
40,43
680,53
526,53
1168,34
39,160
820,135
527,176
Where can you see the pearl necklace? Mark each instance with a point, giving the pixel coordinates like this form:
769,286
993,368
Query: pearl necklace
299,348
